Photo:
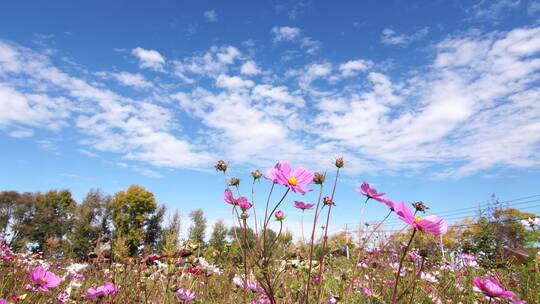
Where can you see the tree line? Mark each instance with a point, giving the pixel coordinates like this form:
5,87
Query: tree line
55,224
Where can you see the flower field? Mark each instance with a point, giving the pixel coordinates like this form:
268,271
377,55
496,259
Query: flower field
428,261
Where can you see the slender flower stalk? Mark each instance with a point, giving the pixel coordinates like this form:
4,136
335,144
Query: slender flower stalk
325,238
311,244
398,274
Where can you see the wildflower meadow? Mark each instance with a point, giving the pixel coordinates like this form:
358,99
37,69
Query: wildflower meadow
120,250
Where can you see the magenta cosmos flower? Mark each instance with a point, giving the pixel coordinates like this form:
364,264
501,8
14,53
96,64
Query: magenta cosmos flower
186,295
241,201
491,288
366,190
102,291
280,215
302,205
283,174
45,279
431,224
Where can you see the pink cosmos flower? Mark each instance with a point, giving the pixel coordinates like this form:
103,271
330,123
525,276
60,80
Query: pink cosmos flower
241,201
280,216
283,174
187,295
367,292
431,224
491,288
2,301
366,190
44,279
302,205
62,297
102,291
244,204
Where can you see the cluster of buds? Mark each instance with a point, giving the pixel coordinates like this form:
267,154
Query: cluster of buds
256,174
328,201
420,206
339,162
318,178
221,165
235,181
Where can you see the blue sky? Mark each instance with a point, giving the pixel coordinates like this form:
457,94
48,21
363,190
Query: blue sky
435,101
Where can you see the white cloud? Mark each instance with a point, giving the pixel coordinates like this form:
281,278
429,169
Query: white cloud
128,79
87,153
533,8
210,64
150,59
280,94
250,68
390,37
352,67
21,133
40,95
449,117
210,16
311,46
233,83
492,9
285,33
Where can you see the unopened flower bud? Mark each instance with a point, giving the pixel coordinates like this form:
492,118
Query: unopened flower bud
244,215
280,215
221,165
256,174
339,162
318,178
234,181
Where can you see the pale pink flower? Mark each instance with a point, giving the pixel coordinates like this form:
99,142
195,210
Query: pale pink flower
187,295
44,279
302,205
431,224
102,291
366,190
491,288
283,174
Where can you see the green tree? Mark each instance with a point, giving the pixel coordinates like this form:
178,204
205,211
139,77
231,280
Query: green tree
88,224
53,218
218,239
197,230
16,214
131,210
171,235
154,230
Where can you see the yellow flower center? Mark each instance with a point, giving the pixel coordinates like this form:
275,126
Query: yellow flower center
292,180
417,219
43,280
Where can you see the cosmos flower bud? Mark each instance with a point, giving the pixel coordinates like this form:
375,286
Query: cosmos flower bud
256,174
244,215
234,181
221,165
318,178
280,215
339,162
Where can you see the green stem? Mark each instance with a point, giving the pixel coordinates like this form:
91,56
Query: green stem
394,294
